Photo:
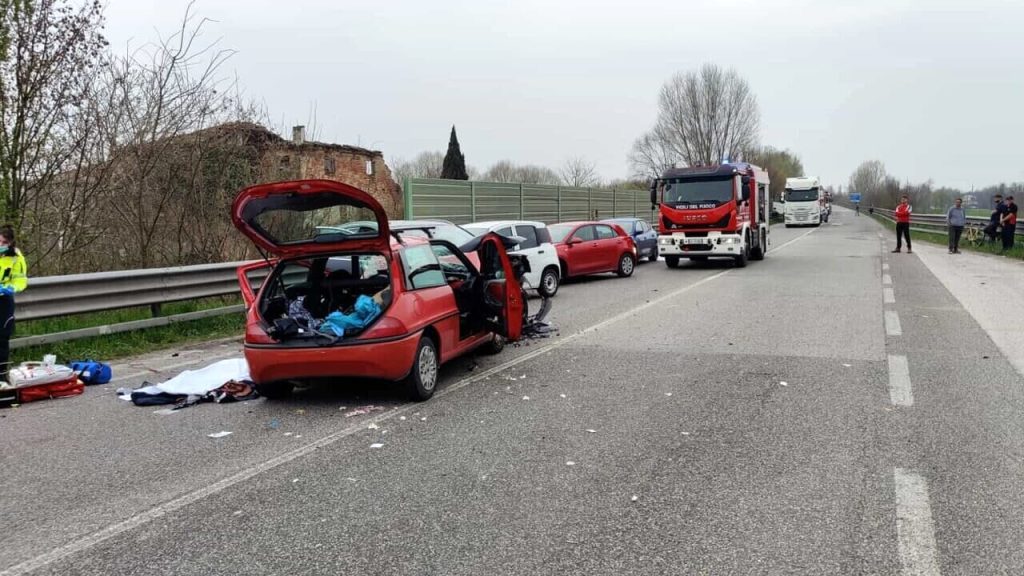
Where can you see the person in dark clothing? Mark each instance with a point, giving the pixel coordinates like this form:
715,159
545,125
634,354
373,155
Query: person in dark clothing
956,219
992,230
1009,223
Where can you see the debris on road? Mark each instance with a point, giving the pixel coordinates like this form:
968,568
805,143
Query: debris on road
668,393
376,445
783,384
402,418
634,498
526,397
591,431
848,365
373,426
364,410
685,433
570,463
562,396
275,424
220,382
220,434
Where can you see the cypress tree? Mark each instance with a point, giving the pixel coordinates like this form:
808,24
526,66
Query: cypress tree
454,161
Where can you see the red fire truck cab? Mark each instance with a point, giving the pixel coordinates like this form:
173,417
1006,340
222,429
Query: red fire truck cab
717,211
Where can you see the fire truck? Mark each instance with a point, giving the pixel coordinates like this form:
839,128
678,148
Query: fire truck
717,211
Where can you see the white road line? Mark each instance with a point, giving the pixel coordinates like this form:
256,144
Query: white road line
892,323
900,391
888,296
885,266
886,279
180,502
914,526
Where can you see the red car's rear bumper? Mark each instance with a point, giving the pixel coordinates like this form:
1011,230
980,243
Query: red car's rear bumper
388,360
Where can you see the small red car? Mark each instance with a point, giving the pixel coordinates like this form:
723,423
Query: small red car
404,305
593,247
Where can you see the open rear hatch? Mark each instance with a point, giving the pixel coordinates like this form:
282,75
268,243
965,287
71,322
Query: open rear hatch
333,278
310,217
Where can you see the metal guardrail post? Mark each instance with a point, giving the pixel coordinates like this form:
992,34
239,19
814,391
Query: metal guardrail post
558,195
522,203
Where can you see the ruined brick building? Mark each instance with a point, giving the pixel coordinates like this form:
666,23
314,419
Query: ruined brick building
299,158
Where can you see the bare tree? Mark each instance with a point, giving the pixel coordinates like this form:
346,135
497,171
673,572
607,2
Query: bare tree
579,172
424,165
49,50
870,181
650,157
508,171
703,117
166,93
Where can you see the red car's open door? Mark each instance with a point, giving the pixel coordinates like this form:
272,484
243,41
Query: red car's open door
503,296
250,278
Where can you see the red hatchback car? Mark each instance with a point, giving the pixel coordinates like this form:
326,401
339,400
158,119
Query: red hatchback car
593,247
357,300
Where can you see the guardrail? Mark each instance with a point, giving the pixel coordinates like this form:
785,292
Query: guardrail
938,220
52,296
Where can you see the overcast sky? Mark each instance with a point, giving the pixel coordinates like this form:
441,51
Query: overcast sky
933,88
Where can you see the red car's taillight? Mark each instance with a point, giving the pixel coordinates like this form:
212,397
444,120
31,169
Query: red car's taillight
387,327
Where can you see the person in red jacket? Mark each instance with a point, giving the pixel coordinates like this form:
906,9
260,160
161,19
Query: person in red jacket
903,224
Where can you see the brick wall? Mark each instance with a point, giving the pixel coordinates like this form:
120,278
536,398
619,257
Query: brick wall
287,161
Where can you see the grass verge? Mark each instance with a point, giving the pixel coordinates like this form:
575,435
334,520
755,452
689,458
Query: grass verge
113,346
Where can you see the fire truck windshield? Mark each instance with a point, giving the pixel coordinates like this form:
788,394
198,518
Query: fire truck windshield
801,195
698,191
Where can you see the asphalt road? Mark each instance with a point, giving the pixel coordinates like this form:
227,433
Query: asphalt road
830,410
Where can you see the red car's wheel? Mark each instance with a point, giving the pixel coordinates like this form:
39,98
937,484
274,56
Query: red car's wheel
422,378
626,265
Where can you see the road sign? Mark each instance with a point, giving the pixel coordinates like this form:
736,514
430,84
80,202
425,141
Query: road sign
855,198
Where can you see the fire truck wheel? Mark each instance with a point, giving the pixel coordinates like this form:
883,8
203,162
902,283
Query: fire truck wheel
626,265
758,253
672,261
741,260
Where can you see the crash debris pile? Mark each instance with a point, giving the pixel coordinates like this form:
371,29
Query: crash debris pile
220,382
301,321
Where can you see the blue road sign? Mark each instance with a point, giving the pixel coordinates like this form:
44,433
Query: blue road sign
855,198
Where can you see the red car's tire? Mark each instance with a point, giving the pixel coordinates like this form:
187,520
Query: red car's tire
422,379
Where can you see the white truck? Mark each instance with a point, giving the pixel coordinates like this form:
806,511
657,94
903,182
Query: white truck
805,203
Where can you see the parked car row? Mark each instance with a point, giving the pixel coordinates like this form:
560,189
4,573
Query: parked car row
349,293
570,249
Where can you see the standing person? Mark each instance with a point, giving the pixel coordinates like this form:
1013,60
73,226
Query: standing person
1009,223
991,231
13,279
956,219
903,212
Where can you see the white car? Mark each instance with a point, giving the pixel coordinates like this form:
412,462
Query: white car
545,273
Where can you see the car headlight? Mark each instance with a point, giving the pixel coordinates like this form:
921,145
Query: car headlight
665,240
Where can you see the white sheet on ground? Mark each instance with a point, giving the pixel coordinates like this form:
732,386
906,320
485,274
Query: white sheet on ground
202,380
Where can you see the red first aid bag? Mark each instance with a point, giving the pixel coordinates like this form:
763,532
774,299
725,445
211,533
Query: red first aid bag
33,392
38,381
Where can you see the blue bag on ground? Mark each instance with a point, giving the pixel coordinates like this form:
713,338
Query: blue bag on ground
365,311
92,372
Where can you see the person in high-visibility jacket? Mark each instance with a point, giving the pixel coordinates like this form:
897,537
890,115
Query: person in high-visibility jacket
13,279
